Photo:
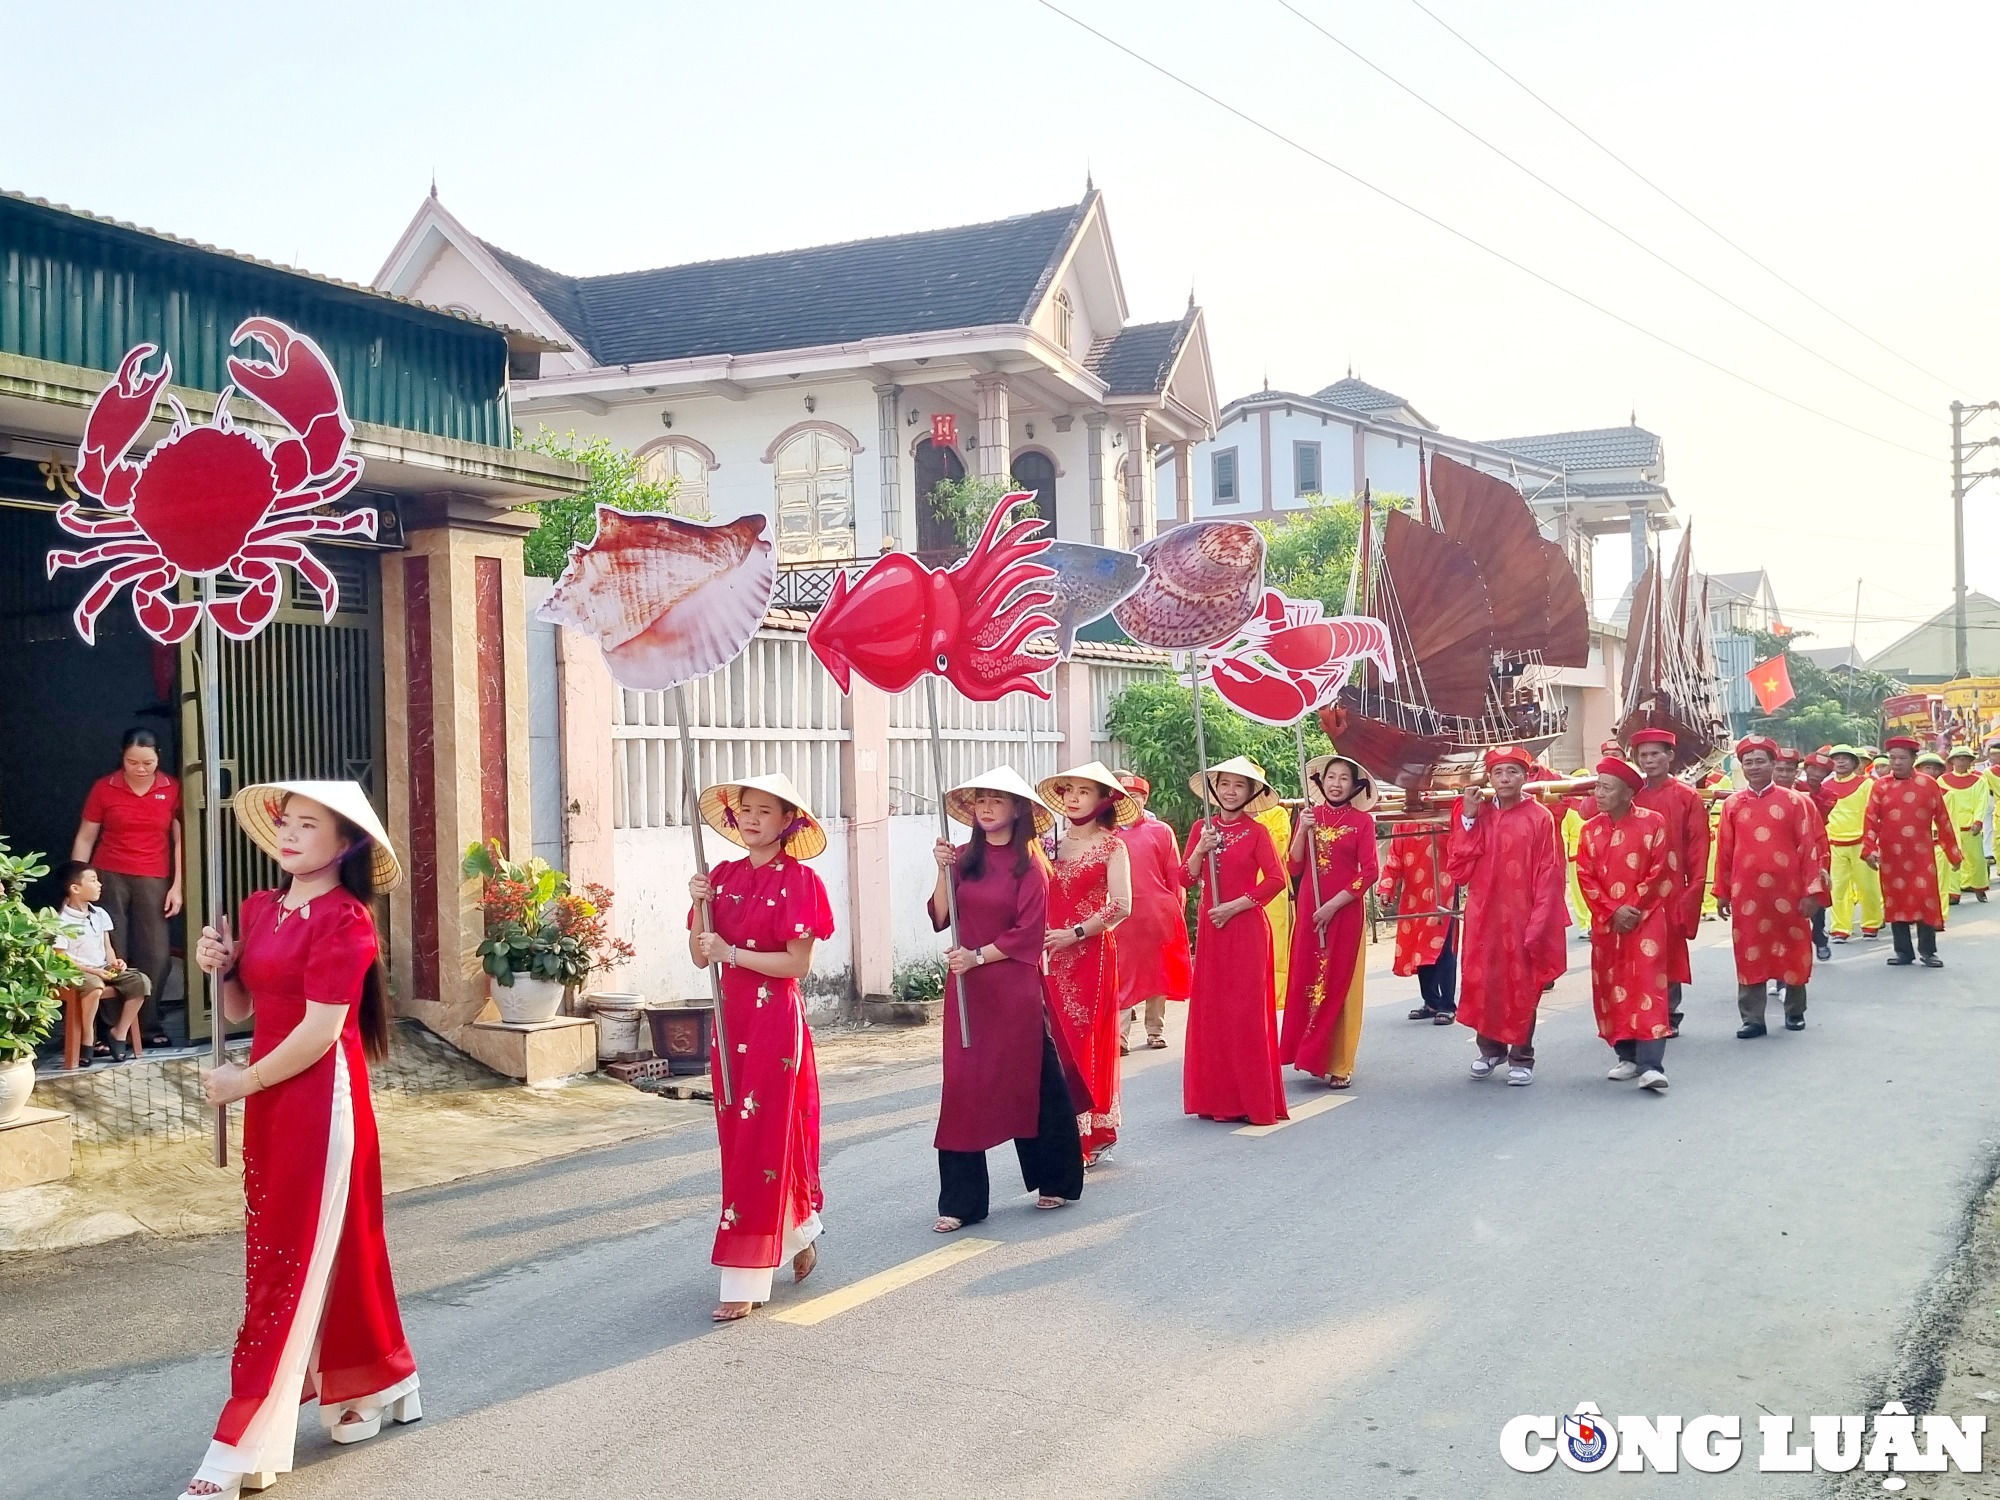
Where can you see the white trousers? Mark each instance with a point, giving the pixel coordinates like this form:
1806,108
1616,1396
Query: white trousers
753,1283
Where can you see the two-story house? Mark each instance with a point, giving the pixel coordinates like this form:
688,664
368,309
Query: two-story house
804,383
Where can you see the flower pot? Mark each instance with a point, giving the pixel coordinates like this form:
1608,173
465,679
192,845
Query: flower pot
680,1035
527,1000
17,1081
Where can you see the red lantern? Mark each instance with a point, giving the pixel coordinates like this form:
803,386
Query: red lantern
944,430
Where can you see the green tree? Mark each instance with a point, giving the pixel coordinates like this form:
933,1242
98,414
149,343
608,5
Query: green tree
617,479
1154,720
1827,707
967,503
1309,554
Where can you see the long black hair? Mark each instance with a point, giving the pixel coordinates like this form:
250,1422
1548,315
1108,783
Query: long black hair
972,860
357,876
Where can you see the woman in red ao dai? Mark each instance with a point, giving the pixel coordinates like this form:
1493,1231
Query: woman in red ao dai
1090,893
320,1314
767,911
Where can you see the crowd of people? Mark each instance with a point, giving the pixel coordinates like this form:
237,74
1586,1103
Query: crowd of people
1059,942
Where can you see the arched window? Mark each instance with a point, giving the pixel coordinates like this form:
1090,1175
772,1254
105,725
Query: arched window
934,465
815,498
1065,321
1037,472
687,463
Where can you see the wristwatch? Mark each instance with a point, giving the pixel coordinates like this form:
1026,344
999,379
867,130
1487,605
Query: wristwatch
1078,930
979,954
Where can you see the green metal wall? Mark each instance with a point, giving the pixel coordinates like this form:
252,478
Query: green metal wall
82,293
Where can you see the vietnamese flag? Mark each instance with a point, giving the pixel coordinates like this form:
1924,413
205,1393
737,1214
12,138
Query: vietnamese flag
1772,683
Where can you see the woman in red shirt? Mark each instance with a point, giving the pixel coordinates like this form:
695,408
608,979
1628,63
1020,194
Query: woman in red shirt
131,835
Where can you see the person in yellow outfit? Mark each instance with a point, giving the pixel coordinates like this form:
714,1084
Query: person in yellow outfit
1279,907
1718,787
1572,831
1991,771
1843,797
1965,793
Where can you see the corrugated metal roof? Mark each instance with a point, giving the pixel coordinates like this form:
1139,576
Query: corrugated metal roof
519,337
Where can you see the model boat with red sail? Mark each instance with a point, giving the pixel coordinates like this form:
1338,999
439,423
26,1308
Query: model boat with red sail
1482,609
1669,680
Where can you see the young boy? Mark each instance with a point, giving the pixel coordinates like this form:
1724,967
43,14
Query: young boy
87,942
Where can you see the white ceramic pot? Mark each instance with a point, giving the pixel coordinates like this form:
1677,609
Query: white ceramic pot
527,1000
17,1081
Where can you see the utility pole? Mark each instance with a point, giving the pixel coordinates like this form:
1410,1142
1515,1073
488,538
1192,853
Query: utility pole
1961,450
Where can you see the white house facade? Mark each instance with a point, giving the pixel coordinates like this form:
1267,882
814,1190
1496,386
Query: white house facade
804,384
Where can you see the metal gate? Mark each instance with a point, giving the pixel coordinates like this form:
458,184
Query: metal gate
302,701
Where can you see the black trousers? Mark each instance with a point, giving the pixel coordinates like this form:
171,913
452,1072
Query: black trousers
1051,1162
1819,923
1438,982
1926,939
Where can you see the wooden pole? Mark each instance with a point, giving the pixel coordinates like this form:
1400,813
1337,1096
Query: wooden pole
944,832
1201,756
211,840
720,1062
1312,829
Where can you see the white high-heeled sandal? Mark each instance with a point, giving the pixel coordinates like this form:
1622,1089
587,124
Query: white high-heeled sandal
405,1407
227,1485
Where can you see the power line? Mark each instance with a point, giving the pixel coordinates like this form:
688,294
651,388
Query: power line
1584,208
1760,265
1480,245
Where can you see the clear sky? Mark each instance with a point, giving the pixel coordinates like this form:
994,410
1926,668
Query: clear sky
1844,145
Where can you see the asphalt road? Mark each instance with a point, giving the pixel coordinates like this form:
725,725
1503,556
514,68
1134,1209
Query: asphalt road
1353,1305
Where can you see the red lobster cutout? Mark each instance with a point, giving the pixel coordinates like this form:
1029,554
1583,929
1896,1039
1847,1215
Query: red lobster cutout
966,622
1290,660
214,499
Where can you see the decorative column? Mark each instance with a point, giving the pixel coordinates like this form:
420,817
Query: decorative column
1093,427
1183,483
1639,549
888,405
455,696
996,439
864,788
1141,491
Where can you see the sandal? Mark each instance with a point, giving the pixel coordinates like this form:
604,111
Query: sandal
810,1256
730,1312
1045,1201
946,1224
1337,1082
159,1039
1422,1013
224,1485
1156,1044
1445,1018
101,1049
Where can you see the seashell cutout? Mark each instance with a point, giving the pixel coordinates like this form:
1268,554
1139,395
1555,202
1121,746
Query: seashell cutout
667,600
1088,582
1203,581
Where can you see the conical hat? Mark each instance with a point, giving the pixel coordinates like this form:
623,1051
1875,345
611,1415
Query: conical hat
719,804
958,801
1128,809
257,815
1363,799
1239,765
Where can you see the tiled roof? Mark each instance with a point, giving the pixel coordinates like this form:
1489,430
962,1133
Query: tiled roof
1615,489
1598,448
271,265
1359,395
966,277
1747,586
1138,360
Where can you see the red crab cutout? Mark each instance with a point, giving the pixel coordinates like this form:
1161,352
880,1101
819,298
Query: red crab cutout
1290,660
214,499
966,622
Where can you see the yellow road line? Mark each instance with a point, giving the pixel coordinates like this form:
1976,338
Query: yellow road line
1300,1112
840,1300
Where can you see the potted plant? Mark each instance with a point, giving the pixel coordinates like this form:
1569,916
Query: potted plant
32,976
542,938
